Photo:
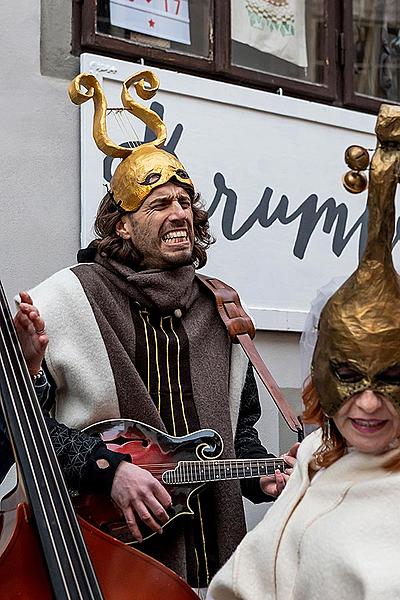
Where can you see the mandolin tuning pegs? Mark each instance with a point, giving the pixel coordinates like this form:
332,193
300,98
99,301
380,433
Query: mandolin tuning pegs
357,158
355,182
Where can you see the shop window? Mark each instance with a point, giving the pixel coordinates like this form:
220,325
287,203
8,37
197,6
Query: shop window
288,42
282,38
343,52
374,71
181,26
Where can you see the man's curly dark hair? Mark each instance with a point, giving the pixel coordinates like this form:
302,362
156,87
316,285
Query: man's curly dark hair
110,244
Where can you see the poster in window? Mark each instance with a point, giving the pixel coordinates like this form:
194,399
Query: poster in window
273,26
166,19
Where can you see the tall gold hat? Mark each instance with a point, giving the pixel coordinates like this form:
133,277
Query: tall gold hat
144,167
360,324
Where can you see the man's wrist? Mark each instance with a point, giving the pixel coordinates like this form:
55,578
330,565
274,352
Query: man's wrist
100,470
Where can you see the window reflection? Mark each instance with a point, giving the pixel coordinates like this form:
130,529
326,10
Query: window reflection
376,26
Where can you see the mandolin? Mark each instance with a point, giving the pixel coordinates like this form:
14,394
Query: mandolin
184,465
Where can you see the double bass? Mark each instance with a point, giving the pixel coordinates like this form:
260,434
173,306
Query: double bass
45,550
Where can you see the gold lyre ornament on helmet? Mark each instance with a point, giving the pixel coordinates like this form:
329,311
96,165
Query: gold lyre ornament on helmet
360,324
144,167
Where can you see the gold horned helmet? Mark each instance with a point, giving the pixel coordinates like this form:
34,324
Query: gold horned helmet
144,167
359,326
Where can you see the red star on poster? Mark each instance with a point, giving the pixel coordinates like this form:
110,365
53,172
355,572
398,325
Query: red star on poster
152,23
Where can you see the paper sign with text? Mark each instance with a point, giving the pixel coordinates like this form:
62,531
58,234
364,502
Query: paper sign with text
166,19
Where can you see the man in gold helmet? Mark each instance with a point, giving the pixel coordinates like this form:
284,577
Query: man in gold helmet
134,334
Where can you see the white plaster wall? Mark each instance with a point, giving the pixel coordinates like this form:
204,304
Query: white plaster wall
280,351
40,165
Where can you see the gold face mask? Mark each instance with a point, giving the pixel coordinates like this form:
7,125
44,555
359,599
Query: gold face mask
359,326
145,167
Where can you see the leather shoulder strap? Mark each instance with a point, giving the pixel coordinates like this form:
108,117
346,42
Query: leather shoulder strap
236,320
242,331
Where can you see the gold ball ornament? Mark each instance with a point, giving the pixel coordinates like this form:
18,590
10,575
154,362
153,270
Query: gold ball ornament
355,182
357,158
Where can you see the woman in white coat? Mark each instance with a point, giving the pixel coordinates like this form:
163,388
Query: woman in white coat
334,534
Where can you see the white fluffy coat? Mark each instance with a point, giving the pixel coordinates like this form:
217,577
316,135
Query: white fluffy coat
341,542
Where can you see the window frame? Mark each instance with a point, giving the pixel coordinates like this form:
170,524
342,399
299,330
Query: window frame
326,91
351,98
88,39
337,88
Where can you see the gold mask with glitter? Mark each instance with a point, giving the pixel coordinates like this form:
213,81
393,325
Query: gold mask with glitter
145,167
360,324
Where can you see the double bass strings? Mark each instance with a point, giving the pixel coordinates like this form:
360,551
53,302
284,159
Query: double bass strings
69,565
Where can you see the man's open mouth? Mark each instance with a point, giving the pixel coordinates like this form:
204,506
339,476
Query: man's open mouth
175,237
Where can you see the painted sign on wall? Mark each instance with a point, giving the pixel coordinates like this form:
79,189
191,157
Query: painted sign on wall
269,170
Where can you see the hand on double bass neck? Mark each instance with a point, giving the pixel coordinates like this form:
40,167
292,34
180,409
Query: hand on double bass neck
140,496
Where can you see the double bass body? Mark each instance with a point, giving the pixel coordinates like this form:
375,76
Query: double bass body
122,572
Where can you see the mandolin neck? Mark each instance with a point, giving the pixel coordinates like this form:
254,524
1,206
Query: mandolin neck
194,471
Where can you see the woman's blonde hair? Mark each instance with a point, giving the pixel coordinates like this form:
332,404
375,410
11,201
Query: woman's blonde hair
333,444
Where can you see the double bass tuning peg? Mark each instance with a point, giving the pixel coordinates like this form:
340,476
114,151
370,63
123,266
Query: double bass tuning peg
357,158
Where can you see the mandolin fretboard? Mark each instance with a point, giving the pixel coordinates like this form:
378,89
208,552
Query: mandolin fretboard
194,471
